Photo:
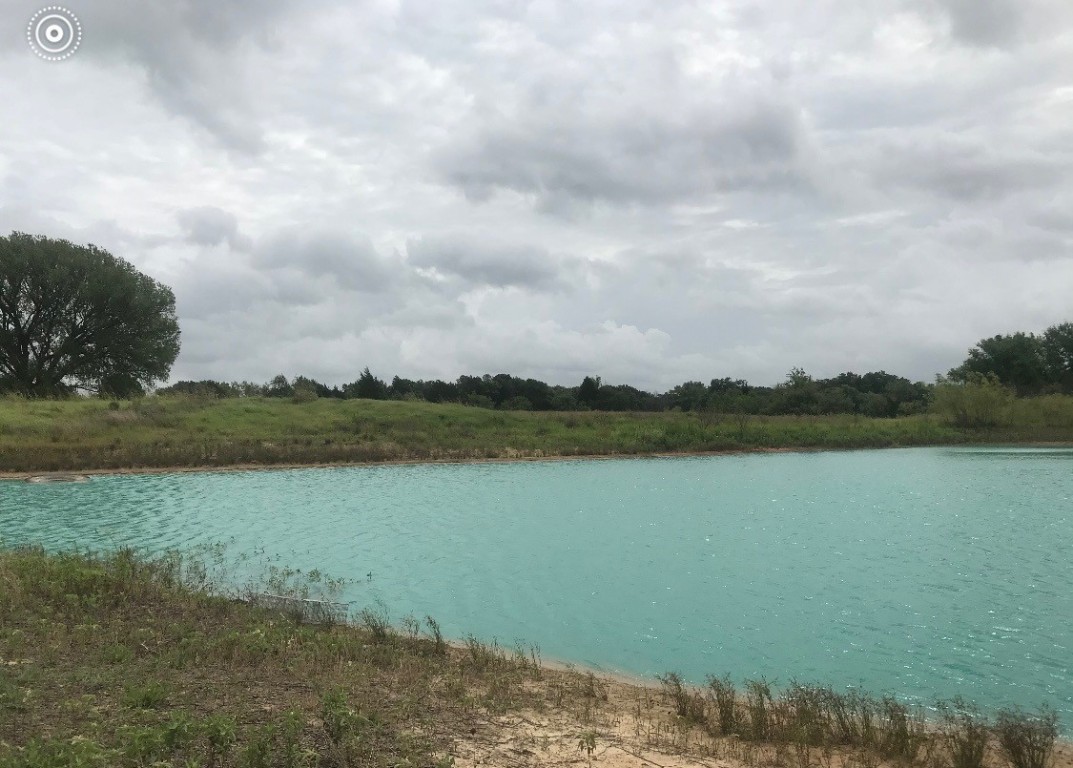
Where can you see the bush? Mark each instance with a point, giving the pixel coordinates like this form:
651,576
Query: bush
303,394
758,700
963,732
981,401
1026,740
688,705
725,697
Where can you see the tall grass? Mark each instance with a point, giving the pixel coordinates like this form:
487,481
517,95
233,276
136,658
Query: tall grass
801,718
189,432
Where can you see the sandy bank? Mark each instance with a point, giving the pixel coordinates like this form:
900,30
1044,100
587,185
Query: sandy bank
631,723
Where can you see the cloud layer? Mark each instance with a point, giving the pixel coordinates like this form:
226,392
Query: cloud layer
647,192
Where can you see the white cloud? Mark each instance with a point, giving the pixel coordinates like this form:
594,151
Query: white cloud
648,192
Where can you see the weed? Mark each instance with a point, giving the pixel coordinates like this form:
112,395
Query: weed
377,622
48,753
148,696
116,654
258,750
807,714
143,744
219,732
758,702
178,732
483,656
587,743
69,435
725,697
903,730
437,635
338,717
963,732
290,732
1027,741
688,705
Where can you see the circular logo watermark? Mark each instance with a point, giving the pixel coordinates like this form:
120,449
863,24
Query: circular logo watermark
54,33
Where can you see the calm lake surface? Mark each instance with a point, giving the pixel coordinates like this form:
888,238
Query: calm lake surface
923,572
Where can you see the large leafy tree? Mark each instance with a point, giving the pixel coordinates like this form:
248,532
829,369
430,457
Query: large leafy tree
1058,352
76,317
1017,360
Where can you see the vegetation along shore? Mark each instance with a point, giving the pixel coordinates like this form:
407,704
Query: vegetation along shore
79,434
118,660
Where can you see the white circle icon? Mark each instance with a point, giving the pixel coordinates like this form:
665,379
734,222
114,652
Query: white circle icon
54,33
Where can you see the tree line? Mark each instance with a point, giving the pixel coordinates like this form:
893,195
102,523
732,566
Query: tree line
76,320
872,394
1027,363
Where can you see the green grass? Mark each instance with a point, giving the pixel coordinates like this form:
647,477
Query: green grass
189,432
208,680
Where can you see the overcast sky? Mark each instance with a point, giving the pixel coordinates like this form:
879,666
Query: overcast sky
647,191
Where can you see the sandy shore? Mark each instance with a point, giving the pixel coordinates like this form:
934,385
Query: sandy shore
630,723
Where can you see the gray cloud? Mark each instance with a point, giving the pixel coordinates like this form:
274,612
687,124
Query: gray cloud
482,261
196,56
208,225
969,170
349,260
630,152
984,22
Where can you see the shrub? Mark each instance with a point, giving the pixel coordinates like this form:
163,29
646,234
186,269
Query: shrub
963,732
688,705
981,401
726,699
303,393
1026,740
807,709
903,730
758,700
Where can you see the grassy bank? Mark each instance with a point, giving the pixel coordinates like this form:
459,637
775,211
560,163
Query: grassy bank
180,432
117,661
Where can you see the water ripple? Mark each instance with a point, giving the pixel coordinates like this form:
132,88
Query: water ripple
930,572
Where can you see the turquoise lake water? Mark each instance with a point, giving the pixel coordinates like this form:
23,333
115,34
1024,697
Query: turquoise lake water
925,572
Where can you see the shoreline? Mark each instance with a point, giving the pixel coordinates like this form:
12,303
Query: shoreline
254,467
